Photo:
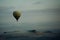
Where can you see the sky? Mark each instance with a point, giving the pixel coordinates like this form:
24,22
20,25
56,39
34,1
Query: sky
31,4
32,12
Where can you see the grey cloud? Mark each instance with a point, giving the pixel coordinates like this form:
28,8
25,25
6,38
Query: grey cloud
38,2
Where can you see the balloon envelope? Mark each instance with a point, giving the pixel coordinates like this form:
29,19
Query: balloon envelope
17,15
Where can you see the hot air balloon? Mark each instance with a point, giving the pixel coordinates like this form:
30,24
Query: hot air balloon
16,15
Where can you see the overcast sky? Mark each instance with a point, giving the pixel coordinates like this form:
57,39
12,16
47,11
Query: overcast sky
31,4
30,10
8,6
